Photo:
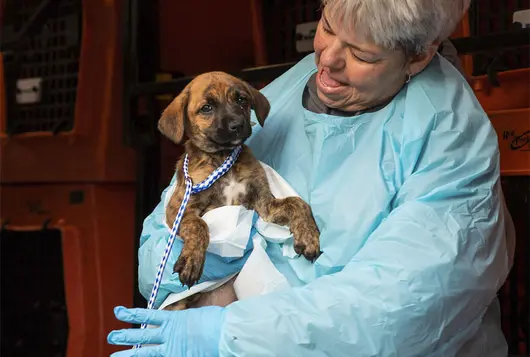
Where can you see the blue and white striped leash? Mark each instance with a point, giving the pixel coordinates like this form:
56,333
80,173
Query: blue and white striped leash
190,189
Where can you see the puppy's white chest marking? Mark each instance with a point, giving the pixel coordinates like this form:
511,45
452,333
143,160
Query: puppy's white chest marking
233,192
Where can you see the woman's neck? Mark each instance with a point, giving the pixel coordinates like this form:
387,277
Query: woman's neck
312,102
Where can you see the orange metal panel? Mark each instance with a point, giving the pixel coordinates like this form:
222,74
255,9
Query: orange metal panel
513,130
258,32
98,244
513,93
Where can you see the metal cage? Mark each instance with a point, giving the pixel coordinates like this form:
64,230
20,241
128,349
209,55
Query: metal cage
41,44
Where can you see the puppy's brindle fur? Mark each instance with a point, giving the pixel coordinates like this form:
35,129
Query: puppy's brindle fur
213,112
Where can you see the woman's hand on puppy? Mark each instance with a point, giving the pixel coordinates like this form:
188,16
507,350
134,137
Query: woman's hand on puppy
191,332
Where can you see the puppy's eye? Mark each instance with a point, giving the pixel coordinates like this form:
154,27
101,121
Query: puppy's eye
206,108
242,101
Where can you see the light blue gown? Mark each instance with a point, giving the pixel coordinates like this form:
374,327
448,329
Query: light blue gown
413,228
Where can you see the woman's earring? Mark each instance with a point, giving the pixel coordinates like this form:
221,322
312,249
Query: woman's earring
409,77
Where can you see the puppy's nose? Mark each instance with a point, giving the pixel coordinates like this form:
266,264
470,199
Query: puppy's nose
235,126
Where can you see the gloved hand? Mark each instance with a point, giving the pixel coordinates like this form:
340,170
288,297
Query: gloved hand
192,332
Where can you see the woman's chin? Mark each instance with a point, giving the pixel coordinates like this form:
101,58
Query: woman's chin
336,101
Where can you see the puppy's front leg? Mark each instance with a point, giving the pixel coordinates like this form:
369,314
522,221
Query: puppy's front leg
194,232
296,213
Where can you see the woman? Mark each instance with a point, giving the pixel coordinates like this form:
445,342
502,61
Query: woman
387,142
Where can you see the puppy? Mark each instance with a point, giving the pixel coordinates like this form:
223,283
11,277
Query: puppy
213,112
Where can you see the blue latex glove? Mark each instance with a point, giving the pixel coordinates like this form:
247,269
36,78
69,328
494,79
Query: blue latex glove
190,333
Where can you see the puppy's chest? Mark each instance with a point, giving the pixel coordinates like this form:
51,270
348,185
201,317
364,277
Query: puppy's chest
233,190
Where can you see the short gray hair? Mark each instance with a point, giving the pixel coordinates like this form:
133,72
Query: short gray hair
410,25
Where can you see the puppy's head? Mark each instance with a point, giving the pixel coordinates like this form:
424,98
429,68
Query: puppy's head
214,112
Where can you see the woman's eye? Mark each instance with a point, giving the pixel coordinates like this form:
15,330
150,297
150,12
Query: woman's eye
207,108
360,59
363,59
326,30
242,101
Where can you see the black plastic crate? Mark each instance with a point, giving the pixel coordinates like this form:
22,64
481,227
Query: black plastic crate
496,16
34,318
50,52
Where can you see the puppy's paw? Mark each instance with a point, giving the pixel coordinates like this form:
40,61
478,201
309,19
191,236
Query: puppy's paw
307,241
189,266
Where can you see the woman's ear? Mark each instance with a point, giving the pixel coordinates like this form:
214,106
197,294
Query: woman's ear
259,103
418,62
173,119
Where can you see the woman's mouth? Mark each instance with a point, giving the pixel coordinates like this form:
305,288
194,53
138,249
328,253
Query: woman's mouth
327,84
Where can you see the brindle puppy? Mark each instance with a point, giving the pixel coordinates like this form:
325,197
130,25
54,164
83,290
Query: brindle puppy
213,112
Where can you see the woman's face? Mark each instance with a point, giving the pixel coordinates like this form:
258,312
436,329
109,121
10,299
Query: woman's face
353,73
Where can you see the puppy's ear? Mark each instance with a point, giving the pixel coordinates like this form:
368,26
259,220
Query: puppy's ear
259,103
171,123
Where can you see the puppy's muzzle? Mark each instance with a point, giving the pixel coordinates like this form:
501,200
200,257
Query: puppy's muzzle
235,129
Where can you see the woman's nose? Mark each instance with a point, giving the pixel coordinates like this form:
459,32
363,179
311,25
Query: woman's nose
333,56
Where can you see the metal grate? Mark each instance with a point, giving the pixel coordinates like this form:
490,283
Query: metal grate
43,70
34,317
514,295
280,18
495,16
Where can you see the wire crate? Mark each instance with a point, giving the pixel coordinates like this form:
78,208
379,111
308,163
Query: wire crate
41,71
